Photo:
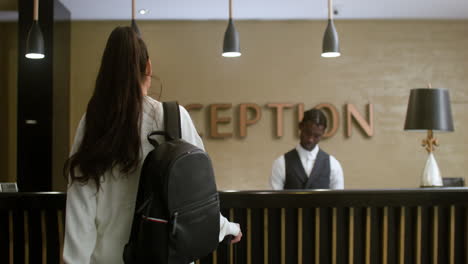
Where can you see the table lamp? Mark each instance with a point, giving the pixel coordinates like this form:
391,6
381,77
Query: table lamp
429,110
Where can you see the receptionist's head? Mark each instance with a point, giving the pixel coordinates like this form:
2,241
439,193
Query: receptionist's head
312,127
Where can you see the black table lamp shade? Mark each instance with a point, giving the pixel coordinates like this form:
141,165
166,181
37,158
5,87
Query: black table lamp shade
429,109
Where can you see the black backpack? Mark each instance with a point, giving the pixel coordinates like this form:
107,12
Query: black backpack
177,210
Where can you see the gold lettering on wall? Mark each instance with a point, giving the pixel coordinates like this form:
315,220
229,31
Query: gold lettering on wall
279,116
332,120
300,112
251,113
244,121
191,107
215,120
366,126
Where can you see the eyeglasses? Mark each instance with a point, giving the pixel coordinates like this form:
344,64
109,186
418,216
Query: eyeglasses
150,91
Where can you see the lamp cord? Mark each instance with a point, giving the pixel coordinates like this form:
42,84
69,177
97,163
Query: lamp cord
36,10
133,9
330,10
230,9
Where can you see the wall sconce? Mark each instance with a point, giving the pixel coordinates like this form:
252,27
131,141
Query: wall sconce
231,47
429,110
35,40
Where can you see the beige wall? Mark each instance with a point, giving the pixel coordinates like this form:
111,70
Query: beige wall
381,62
8,66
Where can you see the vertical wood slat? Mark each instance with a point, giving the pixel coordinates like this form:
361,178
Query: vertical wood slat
11,235
452,235
215,257
334,235
283,236
299,236
26,237
44,237
435,231
459,235
418,235
368,235
60,233
466,234
402,236
317,235
351,235
265,235
249,236
385,236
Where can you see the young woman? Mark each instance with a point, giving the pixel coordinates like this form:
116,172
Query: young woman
109,148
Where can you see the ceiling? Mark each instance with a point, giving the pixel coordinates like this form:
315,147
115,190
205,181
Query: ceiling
261,9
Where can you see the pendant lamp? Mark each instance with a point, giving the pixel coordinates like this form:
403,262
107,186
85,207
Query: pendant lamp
134,24
331,44
231,46
35,40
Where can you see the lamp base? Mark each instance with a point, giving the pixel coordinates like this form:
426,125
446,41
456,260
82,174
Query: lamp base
431,175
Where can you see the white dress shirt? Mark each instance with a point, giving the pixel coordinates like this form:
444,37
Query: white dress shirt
98,224
278,174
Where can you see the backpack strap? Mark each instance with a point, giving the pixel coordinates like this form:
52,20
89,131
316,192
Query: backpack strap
172,120
172,131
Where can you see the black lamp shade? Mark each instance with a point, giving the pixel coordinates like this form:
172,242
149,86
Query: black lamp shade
35,42
331,44
429,109
135,27
231,47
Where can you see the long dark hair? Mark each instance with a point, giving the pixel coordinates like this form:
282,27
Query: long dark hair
113,116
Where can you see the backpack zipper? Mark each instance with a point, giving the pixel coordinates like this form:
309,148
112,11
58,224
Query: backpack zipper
191,207
196,205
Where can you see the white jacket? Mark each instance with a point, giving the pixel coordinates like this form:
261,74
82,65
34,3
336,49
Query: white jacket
98,224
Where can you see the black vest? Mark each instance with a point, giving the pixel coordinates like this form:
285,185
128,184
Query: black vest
296,177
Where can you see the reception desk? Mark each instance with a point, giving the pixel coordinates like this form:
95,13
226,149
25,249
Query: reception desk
427,225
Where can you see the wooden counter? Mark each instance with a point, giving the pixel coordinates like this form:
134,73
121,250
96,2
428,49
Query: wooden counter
427,225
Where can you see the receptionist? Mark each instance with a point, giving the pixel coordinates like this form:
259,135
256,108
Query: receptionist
307,166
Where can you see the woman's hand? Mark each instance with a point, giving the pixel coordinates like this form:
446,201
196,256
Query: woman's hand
238,237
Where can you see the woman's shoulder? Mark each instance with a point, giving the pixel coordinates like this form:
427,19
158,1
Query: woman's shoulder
155,107
150,105
184,114
150,100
